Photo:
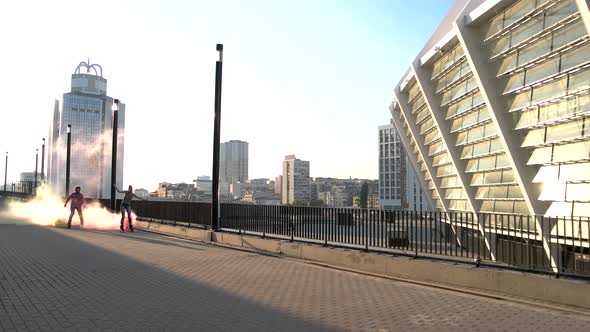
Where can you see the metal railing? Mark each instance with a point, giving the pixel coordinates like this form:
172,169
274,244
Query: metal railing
557,246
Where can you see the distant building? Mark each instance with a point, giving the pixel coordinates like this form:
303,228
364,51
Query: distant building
399,187
88,110
203,184
233,162
296,181
28,177
279,184
143,193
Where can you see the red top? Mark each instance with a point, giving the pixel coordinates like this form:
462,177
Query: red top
77,200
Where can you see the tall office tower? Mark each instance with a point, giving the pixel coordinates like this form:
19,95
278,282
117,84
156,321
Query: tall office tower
296,182
233,162
399,187
391,161
89,111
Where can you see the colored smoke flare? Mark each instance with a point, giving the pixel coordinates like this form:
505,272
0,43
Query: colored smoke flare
47,209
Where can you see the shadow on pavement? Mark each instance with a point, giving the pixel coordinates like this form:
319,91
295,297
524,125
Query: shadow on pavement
138,235
85,286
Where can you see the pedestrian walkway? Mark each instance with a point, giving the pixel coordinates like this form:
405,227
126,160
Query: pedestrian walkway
54,279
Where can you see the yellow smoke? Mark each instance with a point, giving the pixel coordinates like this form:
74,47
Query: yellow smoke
47,209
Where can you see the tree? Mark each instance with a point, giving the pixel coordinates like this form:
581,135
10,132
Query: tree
364,195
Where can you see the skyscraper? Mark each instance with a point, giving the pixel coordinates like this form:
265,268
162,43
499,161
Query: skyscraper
296,182
233,162
399,187
88,110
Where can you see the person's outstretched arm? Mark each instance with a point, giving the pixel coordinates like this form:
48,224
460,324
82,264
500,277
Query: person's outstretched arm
117,189
67,200
141,199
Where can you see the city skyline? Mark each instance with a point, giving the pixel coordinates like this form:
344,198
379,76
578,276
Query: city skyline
286,85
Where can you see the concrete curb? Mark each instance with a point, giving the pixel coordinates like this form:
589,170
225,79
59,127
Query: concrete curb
523,285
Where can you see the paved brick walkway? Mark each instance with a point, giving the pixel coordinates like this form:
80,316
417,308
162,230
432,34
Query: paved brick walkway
58,279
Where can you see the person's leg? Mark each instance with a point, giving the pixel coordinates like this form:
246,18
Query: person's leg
122,217
128,208
81,216
71,215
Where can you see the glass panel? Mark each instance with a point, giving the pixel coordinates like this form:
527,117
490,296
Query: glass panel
445,170
560,11
482,192
457,205
540,156
475,133
515,192
502,161
504,207
500,45
440,159
484,114
553,111
456,124
539,72
578,192
571,152
477,179
435,148
470,119
496,146
464,105
508,176
550,90
564,131
579,81
467,152
534,51
481,148
426,126
575,172
493,177
527,118
462,138
455,193
514,82
520,100
520,208
506,64
569,34
495,25
488,206
449,182
498,192
527,30
517,11
487,163
575,57
534,137
477,99
472,165
431,137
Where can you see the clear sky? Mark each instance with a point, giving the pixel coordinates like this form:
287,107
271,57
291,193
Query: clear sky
310,78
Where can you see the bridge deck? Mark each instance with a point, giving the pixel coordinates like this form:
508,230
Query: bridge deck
56,279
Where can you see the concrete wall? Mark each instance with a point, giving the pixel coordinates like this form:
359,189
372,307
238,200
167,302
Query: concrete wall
517,284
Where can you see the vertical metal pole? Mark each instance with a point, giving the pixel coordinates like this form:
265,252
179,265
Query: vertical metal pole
36,168
114,155
43,161
68,151
5,170
216,142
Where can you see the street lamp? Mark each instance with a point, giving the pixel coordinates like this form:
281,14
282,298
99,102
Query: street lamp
34,191
216,141
43,161
68,150
114,153
5,170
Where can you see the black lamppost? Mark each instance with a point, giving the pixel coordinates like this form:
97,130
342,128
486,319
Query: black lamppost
216,142
34,191
43,161
114,154
68,150
5,170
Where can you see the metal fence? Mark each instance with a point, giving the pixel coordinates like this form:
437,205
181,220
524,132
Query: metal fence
550,245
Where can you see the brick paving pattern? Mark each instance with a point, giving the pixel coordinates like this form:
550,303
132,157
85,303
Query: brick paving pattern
56,279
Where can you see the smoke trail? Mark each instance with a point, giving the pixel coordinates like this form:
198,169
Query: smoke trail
47,209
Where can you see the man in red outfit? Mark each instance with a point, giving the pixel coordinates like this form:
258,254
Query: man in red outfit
76,205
